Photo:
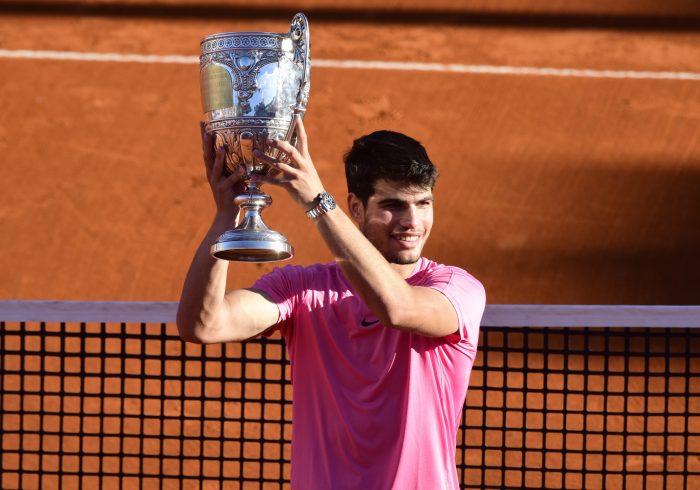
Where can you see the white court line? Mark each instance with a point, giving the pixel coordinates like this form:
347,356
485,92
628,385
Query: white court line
368,65
110,57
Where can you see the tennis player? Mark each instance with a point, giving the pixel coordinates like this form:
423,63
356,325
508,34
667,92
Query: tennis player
381,341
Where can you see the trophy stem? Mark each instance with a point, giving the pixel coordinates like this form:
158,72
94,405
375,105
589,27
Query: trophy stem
252,202
252,240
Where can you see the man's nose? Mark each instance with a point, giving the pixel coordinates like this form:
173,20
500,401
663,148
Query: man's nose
409,217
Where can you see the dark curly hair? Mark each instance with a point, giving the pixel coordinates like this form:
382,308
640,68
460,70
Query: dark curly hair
387,155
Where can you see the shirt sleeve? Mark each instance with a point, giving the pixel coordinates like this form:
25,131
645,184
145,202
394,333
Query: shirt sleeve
467,296
284,287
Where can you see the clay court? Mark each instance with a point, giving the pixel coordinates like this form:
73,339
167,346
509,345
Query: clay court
567,134
554,189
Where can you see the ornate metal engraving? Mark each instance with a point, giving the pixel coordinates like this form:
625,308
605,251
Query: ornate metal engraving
255,82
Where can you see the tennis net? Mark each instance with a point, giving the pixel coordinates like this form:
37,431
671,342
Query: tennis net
111,401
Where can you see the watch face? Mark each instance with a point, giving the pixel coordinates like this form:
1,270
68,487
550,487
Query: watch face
327,201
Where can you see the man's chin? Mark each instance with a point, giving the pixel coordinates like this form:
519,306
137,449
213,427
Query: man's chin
404,259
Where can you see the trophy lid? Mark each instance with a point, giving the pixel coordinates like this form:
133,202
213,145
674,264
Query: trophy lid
248,39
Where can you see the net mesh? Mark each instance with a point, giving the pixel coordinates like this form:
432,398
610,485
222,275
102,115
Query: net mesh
583,408
119,405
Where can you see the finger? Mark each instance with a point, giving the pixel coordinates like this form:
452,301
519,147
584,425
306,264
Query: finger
275,172
276,164
202,135
235,177
207,148
218,164
287,148
207,139
302,140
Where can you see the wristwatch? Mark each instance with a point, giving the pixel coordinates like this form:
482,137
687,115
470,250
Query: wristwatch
323,203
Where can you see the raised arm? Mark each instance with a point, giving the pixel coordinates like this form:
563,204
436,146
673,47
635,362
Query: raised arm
206,313
396,303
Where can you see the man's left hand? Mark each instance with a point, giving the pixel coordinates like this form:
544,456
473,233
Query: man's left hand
297,175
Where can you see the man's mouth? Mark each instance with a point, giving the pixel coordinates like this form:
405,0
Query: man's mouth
407,238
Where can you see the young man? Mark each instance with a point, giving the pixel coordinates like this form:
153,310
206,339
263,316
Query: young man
381,341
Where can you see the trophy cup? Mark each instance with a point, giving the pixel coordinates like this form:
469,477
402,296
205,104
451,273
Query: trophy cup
254,84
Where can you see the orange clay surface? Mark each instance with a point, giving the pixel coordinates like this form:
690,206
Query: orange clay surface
552,189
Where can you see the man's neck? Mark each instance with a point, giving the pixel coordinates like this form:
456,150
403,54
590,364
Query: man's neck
406,270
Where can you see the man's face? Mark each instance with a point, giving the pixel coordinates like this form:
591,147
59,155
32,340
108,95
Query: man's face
397,219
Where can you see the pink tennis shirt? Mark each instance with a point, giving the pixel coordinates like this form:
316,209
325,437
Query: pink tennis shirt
374,407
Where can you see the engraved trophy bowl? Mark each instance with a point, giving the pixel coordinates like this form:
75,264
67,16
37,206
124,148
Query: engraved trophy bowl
253,86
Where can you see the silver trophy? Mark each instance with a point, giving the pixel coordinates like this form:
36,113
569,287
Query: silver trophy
253,85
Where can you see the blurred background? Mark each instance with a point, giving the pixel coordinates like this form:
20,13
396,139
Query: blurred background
555,187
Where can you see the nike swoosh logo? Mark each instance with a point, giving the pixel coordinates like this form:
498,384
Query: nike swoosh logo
366,323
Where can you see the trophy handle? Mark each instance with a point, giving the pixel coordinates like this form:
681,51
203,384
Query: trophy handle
299,33
300,36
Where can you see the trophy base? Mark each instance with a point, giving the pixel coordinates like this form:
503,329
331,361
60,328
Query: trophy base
243,245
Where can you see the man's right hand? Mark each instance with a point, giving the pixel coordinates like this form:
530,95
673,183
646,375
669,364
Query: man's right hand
223,187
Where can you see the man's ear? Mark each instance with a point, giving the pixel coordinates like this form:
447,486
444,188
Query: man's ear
355,207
